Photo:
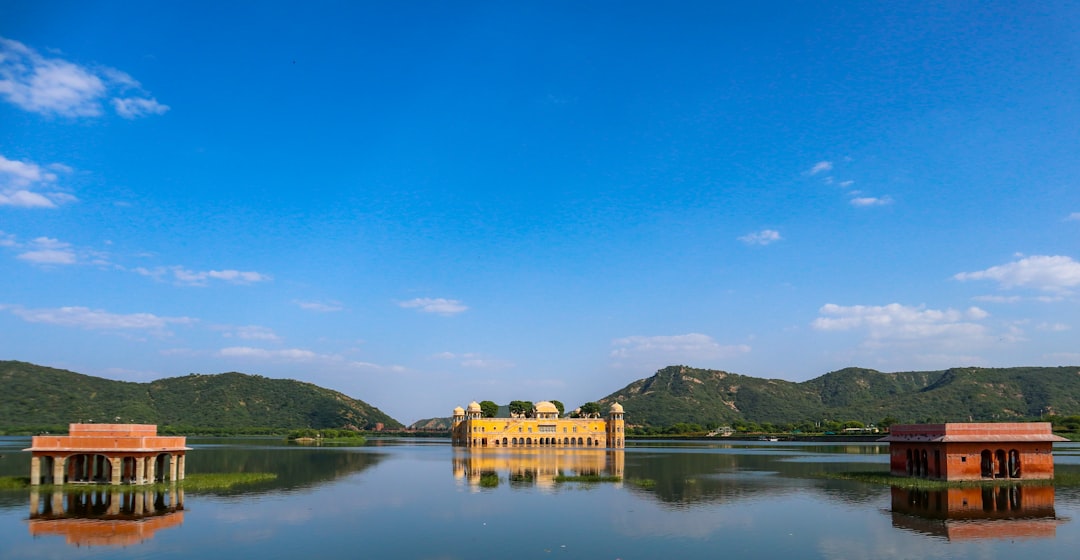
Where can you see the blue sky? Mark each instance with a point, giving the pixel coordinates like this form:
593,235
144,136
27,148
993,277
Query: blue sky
421,204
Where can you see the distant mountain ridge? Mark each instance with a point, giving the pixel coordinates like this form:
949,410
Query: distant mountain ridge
685,394
38,395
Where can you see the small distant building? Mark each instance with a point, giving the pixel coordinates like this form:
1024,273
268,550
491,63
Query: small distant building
107,454
545,428
972,451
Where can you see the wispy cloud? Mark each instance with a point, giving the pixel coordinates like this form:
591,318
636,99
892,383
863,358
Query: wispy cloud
1074,217
439,306
672,349
820,167
248,332
54,86
914,333
184,276
96,319
47,251
7,240
1044,272
863,201
301,355
475,361
320,306
262,353
763,237
26,184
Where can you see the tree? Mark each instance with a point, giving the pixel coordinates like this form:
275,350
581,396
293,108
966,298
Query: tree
559,405
489,409
590,409
521,408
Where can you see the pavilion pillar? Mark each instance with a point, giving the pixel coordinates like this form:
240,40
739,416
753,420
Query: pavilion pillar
35,470
151,470
58,469
183,464
115,500
117,470
140,470
172,468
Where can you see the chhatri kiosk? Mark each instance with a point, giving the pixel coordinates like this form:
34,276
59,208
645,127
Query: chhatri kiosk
544,428
107,454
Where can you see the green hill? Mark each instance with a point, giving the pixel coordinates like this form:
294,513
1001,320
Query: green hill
40,396
684,394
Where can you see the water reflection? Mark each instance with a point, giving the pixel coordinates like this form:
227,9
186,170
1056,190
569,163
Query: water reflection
990,512
107,517
533,467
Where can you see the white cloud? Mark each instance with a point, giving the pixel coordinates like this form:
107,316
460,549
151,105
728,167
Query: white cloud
435,305
53,86
21,183
286,353
915,333
320,306
135,107
863,201
1075,217
672,349
475,361
188,277
8,240
249,332
820,167
1053,327
1048,273
998,299
763,237
44,250
96,319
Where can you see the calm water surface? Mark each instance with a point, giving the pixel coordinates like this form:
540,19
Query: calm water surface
426,499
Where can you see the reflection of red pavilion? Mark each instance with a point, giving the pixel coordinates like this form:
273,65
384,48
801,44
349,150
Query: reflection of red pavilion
105,518
107,454
975,513
972,451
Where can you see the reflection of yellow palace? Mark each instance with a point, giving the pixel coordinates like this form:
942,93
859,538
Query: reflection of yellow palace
545,428
540,466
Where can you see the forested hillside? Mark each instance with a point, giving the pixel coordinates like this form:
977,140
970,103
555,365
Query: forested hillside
691,395
40,396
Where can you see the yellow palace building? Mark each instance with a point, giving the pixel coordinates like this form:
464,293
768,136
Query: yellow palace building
545,428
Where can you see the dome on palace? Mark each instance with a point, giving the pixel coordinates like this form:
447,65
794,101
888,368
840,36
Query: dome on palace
458,411
474,407
546,407
616,408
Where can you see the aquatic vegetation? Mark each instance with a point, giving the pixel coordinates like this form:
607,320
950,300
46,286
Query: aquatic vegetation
1060,480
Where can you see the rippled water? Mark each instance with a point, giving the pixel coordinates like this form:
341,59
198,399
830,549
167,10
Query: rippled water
426,499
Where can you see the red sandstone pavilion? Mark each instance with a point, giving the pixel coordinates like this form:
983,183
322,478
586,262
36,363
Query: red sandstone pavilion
973,451
107,454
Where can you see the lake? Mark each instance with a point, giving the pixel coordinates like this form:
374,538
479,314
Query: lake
422,498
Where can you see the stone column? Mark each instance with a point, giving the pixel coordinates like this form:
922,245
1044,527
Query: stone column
172,468
35,471
140,470
183,464
117,470
58,469
151,469
115,501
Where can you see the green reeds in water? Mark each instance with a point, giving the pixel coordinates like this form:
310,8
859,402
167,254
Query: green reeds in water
193,483
1060,480
587,478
